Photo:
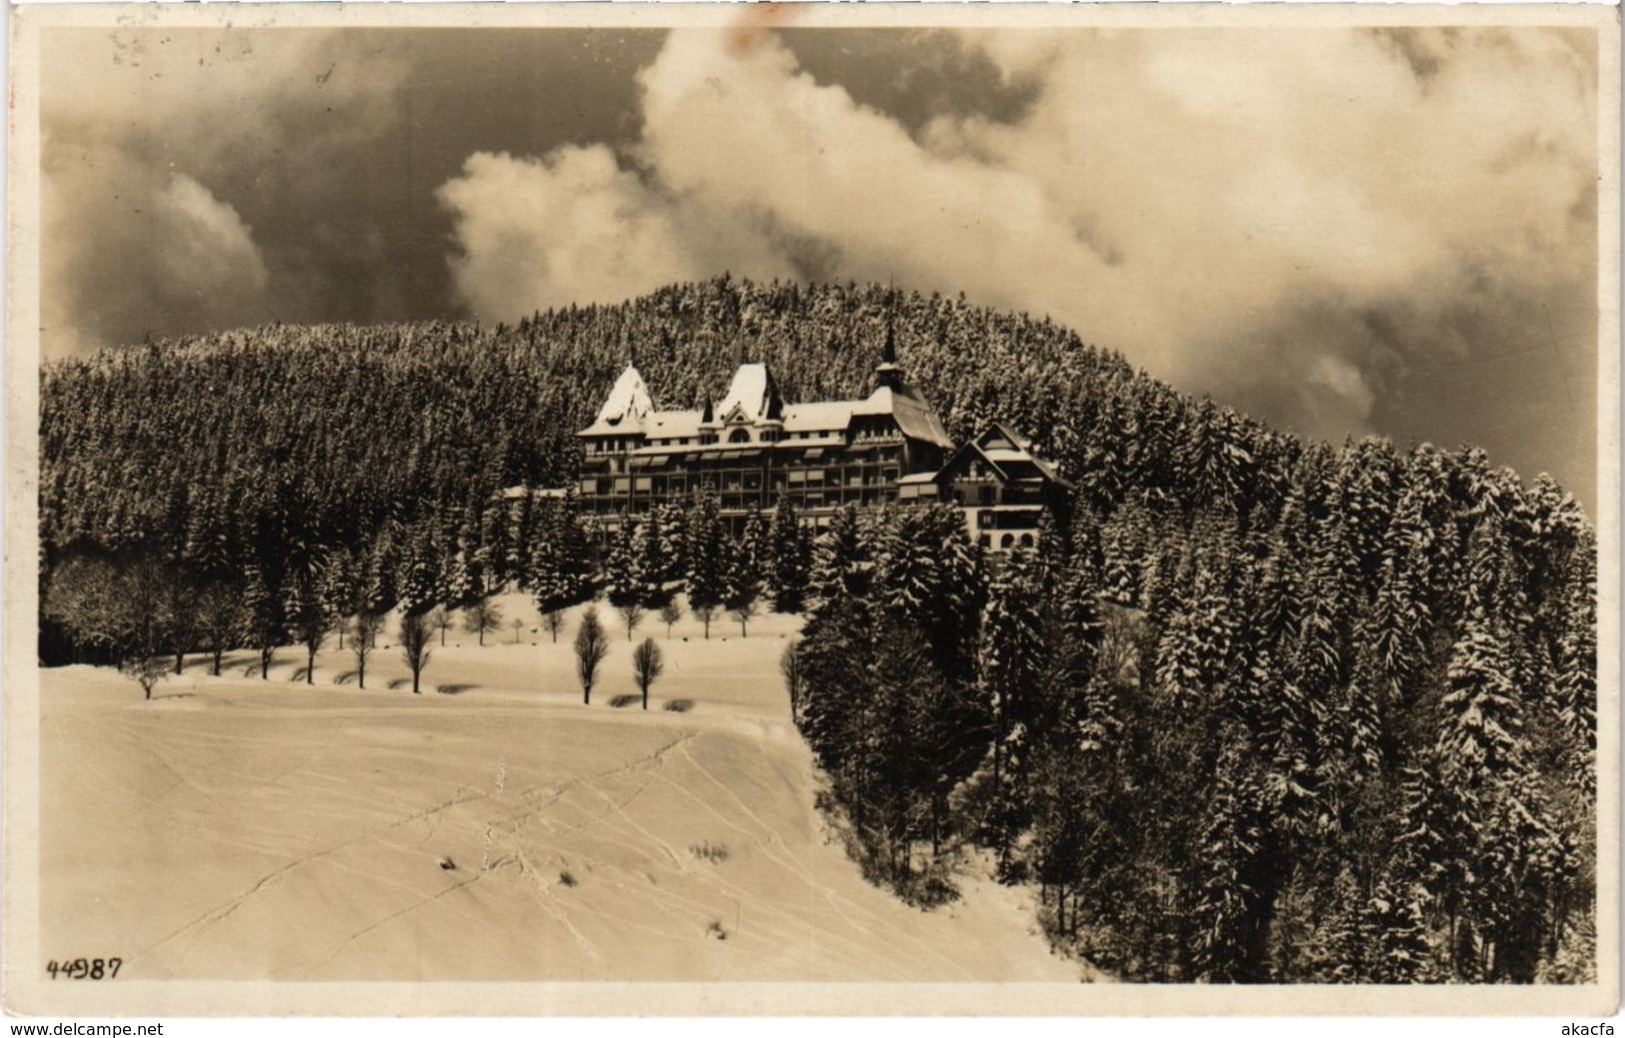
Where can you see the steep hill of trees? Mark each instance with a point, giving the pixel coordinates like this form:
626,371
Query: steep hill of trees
1255,710
1351,740
267,444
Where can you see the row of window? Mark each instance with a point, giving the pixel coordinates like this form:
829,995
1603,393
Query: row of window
1008,541
884,461
741,479
741,434
611,504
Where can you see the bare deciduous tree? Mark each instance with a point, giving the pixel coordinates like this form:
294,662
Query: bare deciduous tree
310,617
178,612
743,612
790,667
706,613
147,671
670,613
553,620
363,636
221,620
84,598
646,667
482,617
631,615
591,645
415,645
440,619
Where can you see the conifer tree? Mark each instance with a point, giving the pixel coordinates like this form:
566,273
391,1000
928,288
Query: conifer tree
1576,670
421,582
751,552
623,568
706,559
1010,653
560,571
263,606
741,583
1228,928
489,565
841,565
377,589
787,558
671,522
652,564
1395,935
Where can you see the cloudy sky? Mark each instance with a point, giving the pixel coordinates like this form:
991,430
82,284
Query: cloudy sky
1341,231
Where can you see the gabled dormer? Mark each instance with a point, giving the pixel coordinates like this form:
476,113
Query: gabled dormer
753,397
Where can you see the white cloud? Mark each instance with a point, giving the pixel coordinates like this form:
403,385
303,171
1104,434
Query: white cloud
200,241
134,242
143,129
1287,218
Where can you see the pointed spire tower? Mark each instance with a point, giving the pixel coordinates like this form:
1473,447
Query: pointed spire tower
888,373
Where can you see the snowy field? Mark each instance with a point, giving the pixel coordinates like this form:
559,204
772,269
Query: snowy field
234,828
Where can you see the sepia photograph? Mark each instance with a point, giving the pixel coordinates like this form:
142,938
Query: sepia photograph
805,510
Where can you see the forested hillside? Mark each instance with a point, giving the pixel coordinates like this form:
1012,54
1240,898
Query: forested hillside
259,451
1256,709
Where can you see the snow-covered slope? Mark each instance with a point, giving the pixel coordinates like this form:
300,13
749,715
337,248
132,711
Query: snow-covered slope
234,828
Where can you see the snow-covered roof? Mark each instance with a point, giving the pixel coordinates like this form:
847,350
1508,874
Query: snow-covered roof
1020,453
752,394
1016,464
819,416
626,406
914,416
672,424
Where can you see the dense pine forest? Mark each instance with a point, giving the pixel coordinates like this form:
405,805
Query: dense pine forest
1254,710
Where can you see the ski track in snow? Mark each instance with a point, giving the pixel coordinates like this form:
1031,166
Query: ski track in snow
286,831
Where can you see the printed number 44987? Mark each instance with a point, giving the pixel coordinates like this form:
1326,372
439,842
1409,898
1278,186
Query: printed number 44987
84,969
